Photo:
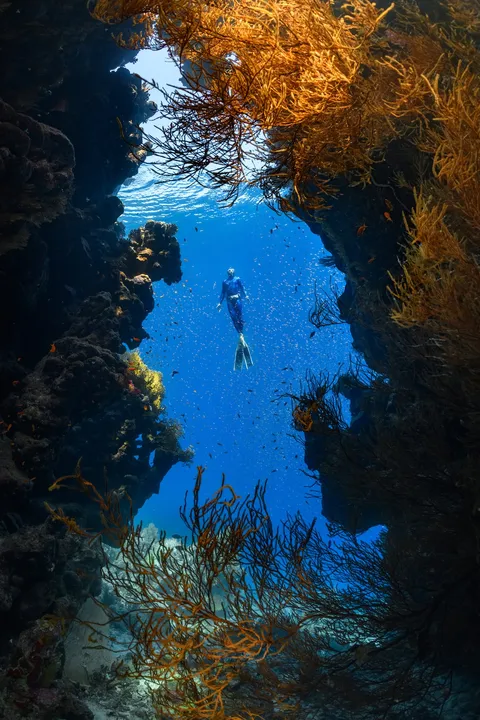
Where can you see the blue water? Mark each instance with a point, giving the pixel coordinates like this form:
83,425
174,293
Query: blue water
234,420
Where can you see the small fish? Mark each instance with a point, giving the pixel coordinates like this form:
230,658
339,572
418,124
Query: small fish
361,229
196,229
312,333
15,382
387,216
174,372
370,260
388,204
136,339
210,455
86,246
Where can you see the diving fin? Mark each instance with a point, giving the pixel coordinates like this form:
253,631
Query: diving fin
237,365
247,356
242,355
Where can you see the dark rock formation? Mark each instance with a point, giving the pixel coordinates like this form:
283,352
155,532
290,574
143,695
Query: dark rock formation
36,173
408,457
74,293
45,577
154,250
363,231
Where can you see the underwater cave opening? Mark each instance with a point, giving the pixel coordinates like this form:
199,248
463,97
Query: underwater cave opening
238,423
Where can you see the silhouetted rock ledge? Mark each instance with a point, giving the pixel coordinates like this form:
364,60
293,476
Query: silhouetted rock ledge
74,294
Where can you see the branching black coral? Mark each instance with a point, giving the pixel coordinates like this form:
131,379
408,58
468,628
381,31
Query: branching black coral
247,621
325,311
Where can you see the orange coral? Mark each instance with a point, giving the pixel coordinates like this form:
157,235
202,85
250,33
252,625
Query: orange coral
290,95
183,640
302,418
439,289
115,528
307,92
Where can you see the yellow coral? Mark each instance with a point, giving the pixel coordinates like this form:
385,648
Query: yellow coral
148,380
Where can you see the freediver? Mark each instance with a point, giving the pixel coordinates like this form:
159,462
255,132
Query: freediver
234,292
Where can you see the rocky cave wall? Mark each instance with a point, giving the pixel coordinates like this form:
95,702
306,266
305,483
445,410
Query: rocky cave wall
74,293
409,458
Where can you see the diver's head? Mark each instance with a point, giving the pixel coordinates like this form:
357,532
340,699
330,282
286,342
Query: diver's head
231,272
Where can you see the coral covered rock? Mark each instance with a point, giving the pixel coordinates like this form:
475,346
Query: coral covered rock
156,252
71,299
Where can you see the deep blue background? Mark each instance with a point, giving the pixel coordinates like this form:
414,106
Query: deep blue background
232,420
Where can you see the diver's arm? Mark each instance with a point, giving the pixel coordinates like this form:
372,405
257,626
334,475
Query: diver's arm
222,295
243,294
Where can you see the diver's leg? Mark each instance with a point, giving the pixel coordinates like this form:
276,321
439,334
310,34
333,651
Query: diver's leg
236,313
231,310
242,353
240,321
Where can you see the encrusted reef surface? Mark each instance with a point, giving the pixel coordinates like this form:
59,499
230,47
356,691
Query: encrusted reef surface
408,458
74,293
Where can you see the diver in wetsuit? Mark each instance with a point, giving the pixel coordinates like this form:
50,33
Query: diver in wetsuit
234,292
